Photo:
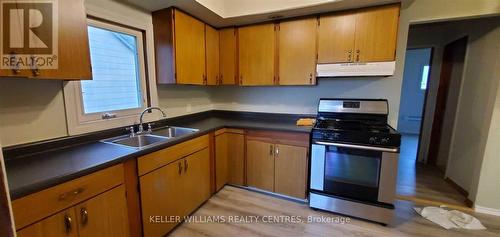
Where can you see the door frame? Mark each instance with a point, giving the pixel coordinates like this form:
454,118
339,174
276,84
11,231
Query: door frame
433,150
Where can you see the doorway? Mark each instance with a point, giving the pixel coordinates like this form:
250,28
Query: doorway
422,180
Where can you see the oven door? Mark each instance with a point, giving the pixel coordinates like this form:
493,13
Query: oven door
346,170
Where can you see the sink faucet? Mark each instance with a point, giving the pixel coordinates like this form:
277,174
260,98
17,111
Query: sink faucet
141,129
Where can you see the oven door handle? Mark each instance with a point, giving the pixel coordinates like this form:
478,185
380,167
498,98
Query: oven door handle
361,147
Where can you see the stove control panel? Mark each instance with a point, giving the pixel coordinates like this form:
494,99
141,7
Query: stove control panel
379,141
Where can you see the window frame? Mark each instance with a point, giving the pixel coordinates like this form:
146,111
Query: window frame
78,122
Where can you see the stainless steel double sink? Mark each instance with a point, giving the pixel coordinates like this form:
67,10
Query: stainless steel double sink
141,141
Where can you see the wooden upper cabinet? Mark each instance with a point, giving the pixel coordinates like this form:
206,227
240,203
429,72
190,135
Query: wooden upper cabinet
179,48
376,33
257,46
297,52
336,38
73,54
105,214
212,54
228,56
365,35
189,49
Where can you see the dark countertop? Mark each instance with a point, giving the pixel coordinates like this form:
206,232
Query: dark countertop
34,167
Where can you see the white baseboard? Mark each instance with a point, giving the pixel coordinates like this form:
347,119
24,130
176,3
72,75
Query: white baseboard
487,210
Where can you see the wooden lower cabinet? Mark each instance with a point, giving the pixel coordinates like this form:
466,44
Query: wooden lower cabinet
174,191
229,158
278,162
290,170
260,165
103,215
58,225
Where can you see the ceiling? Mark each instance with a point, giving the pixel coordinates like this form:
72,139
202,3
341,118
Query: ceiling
220,13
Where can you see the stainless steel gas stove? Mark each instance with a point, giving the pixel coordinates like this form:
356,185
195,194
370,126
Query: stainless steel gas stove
354,159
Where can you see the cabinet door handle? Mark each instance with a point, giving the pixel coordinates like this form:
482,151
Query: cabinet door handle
277,150
67,223
180,167
36,71
271,150
185,166
84,214
71,194
221,79
349,56
357,55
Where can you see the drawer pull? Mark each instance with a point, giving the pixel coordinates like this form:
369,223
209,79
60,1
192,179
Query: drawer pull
185,166
67,223
84,214
180,167
70,194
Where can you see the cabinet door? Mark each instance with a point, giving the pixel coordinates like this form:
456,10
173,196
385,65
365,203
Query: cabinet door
73,48
104,215
196,178
376,34
61,224
236,158
260,165
189,49
336,38
257,54
221,160
297,52
212,44
228,59
162,194
291,170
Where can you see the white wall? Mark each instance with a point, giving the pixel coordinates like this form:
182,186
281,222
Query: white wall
475,105
488,192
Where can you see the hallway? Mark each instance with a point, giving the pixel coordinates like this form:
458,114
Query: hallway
422,183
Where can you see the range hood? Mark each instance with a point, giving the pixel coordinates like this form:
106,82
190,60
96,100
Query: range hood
356,69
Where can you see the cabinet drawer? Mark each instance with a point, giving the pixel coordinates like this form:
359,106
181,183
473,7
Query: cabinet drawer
287,138
160,158
37,206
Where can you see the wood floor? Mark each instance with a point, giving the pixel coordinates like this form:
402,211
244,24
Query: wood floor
423,183
232,201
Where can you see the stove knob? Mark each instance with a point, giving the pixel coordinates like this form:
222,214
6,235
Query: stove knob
384,141
336,135
372,140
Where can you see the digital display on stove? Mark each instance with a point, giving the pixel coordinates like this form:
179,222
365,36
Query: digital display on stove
351,104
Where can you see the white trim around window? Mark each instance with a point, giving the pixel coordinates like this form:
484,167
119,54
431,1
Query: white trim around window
79,122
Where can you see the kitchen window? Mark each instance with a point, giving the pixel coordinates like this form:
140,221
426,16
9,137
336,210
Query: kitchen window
117,92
